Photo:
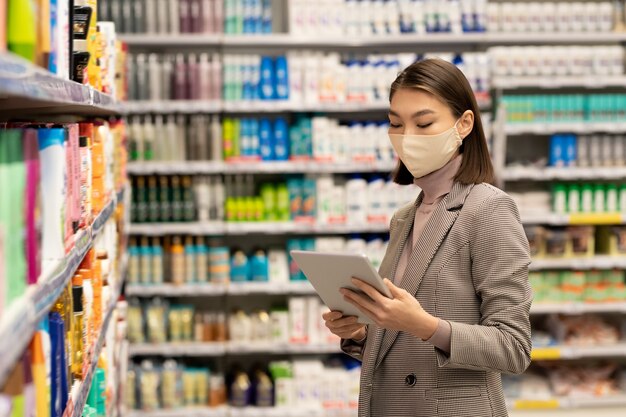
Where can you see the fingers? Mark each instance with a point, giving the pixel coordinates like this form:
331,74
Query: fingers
395,291
359,300
332,315
368,289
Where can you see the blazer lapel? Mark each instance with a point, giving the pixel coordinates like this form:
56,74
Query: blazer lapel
403,226
425,249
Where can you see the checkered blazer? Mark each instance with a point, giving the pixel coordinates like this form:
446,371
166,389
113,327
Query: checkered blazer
469,267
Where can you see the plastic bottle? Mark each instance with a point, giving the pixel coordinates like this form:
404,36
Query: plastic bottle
375,193
259,266
177,252
53,189
282,78
267,84
190,260
22,28
157,261
356,198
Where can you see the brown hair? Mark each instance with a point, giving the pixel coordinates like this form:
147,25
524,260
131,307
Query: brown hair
447,82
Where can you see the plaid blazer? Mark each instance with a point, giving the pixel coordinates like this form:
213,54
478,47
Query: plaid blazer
469,267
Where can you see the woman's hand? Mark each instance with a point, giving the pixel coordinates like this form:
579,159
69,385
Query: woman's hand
402,313
344,327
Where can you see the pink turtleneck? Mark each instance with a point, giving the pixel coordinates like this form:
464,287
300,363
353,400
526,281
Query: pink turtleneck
435,187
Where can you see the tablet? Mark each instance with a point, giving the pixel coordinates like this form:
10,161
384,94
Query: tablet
329,272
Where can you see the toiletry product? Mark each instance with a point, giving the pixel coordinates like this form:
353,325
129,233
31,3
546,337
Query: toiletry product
80,332
53,189
21,28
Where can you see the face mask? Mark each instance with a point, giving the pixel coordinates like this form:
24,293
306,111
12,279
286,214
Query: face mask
423,154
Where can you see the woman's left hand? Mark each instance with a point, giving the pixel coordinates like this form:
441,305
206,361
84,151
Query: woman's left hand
402,312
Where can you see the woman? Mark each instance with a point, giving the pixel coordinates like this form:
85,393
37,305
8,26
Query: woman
457,266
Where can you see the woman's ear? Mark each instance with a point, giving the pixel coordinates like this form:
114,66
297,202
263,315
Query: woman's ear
465,124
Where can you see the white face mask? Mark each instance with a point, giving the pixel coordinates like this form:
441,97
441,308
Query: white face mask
423,154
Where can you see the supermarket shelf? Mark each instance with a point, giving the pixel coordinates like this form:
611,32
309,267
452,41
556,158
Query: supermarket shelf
20,321
567,403
257,106
278,167
171,106
212,349
553,82
519,173
236,412
437,39
578,219
215,290
27,88
77,404
579,352
531,128
596,262
225,228
169,40
578,308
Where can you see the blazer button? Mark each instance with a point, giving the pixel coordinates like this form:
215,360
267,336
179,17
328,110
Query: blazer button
410,380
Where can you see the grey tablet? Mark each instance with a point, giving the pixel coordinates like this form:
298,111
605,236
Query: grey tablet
329,272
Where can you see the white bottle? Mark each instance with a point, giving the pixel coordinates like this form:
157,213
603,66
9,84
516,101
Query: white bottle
278,266
376,203
324,190
357,201
53,194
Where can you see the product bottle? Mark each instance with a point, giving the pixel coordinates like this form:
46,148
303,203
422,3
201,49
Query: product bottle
152,194
202,261
42,386
259,266
177,199
145,261
85,180
190,260
356,197
79,331
157,261
22,28
267,85
164,199
189,209
177,251
52,163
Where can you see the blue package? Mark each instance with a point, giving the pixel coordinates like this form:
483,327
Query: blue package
259,266
282,78
58,368
239,267
266,139
557,151
570,150
267,81
281,141
255,146
248,16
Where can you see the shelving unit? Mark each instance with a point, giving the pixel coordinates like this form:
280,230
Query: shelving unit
76,404
555,82
28,89
244,228
617,350
519,173
245,167
335,42
512,129
212,349
19,322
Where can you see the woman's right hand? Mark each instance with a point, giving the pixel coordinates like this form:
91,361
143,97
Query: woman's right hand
345,327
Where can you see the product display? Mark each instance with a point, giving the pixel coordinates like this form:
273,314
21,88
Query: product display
322,200
565,108
259,127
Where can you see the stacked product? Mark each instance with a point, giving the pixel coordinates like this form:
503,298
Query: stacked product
195,260
84,164
325,200
178,76
309,384
171,384
557,60
565,108
587,151
575,241
588,198
67,337
165,17
578,286
548,16
84,50
297,323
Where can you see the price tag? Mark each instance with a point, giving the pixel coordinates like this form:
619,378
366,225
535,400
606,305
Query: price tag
547,353
551,404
